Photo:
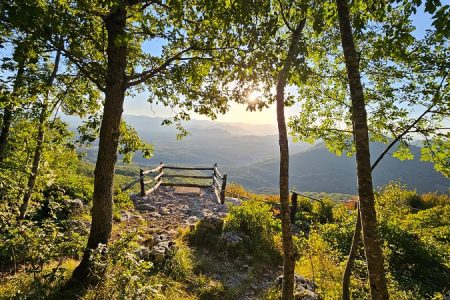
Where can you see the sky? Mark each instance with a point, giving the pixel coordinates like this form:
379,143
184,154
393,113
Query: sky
237,112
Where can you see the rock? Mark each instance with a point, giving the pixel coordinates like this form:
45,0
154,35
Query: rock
158,253
212,223
304,289
164,211
146,207
150,242
154,215
192,220
231,238
143,253
74,204
234,201
124,216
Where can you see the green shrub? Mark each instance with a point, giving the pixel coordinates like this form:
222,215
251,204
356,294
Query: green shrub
257,220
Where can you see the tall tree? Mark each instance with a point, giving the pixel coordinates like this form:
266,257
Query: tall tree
186,66
288,247
372,245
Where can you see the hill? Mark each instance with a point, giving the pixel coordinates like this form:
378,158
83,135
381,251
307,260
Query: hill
228,144
318,170
250,157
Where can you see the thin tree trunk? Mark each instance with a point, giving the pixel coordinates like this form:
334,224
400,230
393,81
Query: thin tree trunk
351,258
374,255
355,242
8,113
109,138
36,160
39,140
288,247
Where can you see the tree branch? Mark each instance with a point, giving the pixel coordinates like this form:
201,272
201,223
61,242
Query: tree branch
144,76
407,130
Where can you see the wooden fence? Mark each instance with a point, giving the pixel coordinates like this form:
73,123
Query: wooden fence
218,181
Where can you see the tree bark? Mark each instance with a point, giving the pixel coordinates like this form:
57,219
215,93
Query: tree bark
288,247
40,140
374,255
109,138
36,160
351,258
8,113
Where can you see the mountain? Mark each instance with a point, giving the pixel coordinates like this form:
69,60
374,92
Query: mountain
249,155
318,170
228,144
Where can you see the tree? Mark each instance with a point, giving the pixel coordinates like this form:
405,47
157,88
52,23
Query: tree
372,245
187,55
288,247
40,139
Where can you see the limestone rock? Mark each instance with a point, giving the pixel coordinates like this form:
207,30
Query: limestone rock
211,223
146,207
304,289
159,253
143,253
74,204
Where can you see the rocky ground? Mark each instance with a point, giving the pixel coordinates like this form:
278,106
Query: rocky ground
170,208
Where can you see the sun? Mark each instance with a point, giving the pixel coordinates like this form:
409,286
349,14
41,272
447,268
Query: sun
254,97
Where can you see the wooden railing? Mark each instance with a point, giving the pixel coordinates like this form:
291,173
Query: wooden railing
218,181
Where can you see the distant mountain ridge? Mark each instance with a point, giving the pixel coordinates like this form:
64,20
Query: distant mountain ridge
252,159
318,170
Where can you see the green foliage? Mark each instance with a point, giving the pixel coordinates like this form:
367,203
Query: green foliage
121,202
258,221
37,243
119,272
415,230
180,265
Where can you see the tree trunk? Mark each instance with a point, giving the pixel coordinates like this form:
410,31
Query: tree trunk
36,160
288,247
39,140
374,255
8,113
109,138
351,258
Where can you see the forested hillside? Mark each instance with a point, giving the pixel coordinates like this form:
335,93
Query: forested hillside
250,161
318,170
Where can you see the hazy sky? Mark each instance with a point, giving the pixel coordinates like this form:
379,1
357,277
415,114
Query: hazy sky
237,113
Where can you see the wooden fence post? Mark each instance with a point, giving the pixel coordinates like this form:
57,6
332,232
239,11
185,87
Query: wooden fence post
141,175
294,207
224,186
214,173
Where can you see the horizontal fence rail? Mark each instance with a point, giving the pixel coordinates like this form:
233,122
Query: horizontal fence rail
218,181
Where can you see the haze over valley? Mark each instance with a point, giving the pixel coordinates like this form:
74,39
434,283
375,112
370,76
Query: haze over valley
248,153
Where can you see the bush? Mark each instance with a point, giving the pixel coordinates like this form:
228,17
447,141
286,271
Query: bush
258,221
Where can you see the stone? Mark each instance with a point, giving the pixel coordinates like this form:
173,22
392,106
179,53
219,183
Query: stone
164,211
212,223
231,238
181,190
74,204
124,216
158,253
154,215
192,220
146,207
143,253
79,226
304,289
150,242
